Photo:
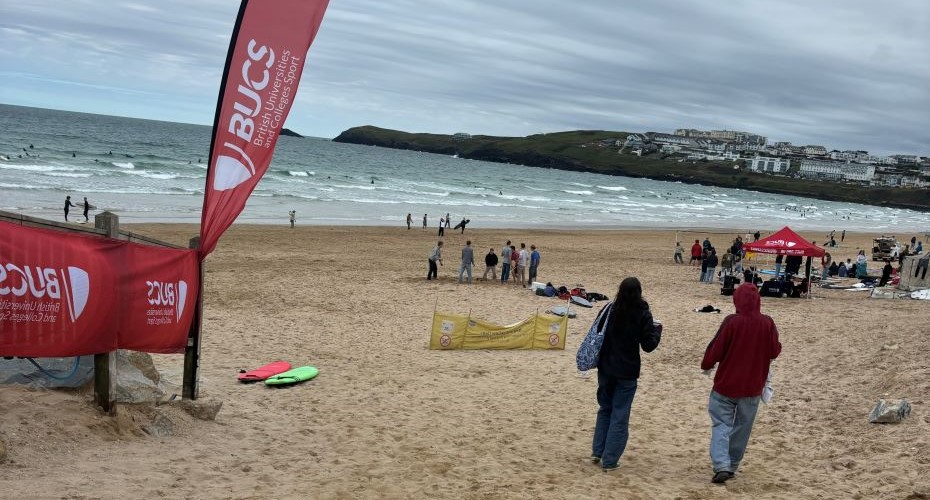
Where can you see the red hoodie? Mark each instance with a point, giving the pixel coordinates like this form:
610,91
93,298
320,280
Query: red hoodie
744,346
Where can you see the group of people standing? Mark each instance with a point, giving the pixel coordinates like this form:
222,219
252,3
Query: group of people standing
741,351
444,223
705,255
514,263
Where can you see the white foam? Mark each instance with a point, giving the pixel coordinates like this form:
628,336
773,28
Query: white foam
127,164
612,188
583,193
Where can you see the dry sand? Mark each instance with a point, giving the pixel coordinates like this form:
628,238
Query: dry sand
388,418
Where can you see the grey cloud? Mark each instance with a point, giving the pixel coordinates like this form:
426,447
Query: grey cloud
845,74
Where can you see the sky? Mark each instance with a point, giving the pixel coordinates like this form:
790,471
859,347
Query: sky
845,74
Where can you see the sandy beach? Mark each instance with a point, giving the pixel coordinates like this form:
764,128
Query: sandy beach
388,418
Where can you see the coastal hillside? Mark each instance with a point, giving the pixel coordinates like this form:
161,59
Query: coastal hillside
583,150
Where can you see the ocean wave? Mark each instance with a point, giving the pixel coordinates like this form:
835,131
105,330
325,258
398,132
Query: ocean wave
154,175
583,193
37,168
580,184
612,188
300,173
67,174
127,164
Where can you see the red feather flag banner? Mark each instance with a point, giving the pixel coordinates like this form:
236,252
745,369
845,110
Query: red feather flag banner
267,53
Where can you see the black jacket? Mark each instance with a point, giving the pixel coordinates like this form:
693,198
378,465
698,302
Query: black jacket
490,259
619,357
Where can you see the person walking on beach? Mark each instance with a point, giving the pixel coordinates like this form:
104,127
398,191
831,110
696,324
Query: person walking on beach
424,223
629,328
534,265
442,230
68,206
695,252
448,220
490,265
843,236
468,259
678,252
505,262
86,209
293,216
409,221
434,257
743,348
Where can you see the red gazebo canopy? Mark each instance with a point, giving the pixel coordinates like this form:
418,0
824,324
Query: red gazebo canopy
785,242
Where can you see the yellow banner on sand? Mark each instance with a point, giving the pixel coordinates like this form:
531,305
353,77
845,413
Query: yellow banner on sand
457,331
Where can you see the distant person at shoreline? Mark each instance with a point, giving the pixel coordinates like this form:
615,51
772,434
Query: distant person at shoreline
86,209
424,222
462,224
434,257
843,236
68,206
678,252
409,221
442,229
629,328
292,215
448,219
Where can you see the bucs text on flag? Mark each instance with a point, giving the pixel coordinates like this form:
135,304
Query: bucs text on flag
266,57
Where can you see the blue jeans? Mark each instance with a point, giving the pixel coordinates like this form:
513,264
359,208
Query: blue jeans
505,272
777,269
710,274
462,269
612,428
732,420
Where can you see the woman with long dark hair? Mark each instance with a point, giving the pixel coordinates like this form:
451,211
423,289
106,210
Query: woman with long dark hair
630,327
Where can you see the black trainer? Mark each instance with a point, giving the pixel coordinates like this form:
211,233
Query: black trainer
721,477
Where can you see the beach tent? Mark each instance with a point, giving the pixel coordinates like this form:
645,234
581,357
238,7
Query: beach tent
787,242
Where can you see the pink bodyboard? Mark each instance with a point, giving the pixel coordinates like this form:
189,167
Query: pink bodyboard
269,370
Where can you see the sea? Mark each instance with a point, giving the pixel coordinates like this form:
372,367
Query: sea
155,171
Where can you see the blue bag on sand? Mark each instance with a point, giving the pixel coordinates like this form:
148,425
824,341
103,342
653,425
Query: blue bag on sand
590,349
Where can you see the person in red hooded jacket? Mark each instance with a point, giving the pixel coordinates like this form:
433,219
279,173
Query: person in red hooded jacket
696,252
742,350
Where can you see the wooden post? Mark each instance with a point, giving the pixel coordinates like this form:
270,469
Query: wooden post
189,388
105,363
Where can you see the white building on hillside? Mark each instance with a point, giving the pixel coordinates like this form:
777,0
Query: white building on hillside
837,170
814,150
768,165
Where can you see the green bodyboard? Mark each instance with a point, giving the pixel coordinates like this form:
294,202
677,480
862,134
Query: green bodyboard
293,376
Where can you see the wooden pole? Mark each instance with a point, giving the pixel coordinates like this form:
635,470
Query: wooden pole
189,389
105,363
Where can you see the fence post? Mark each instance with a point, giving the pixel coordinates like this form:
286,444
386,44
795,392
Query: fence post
189,389
105,363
